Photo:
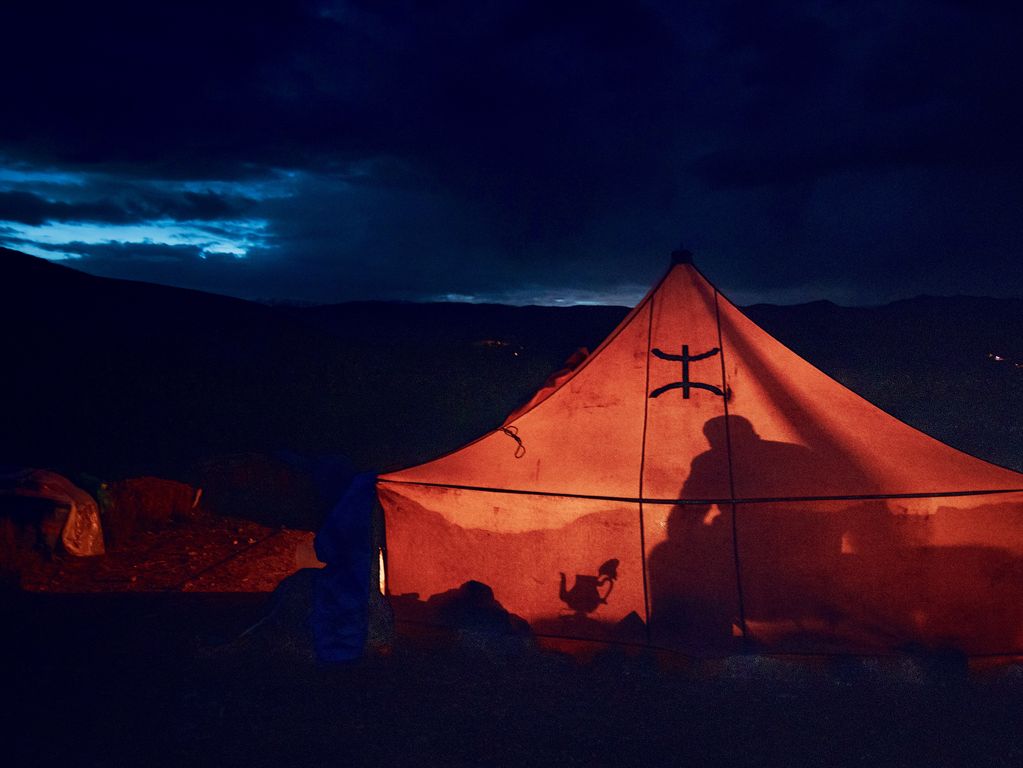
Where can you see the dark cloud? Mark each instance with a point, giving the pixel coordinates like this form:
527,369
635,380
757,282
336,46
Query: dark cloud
30,208
27,208
859,151
101,256
831,90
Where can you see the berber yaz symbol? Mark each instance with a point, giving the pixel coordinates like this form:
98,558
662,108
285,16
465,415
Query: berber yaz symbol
685,385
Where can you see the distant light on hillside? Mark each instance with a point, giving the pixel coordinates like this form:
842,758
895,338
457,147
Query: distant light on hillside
996,358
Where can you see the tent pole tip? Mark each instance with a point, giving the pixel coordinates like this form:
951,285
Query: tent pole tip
681,256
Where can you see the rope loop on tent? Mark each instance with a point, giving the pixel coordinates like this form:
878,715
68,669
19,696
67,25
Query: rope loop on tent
513,433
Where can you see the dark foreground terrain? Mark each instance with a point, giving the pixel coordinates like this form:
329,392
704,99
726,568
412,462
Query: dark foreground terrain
171,680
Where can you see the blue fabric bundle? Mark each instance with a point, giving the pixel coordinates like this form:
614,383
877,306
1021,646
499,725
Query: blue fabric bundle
340,616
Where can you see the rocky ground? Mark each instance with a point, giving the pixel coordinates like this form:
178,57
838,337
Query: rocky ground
209,553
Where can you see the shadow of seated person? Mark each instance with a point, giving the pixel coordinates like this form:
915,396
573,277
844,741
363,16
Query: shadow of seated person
694,589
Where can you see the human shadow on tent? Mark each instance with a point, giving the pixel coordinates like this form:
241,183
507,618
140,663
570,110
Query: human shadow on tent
696,573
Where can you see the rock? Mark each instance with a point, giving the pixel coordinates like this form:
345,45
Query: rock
51,510
472,608
145,503
263,488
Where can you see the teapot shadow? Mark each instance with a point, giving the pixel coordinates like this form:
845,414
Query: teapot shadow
584,597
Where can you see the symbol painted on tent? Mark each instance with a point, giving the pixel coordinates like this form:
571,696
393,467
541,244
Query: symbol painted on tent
685,385
585,597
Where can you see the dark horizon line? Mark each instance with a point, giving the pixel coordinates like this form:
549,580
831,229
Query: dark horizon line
296,303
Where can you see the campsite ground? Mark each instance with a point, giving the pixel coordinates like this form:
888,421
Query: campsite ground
206,553
170,679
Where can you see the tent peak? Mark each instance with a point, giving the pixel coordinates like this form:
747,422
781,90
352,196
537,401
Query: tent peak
681,256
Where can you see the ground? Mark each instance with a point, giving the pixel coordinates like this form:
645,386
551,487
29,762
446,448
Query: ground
207,553
195,679
172,651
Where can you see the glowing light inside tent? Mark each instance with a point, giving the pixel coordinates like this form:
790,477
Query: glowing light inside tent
382,571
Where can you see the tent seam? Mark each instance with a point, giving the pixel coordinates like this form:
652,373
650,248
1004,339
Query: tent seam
731,478
752,500
642,469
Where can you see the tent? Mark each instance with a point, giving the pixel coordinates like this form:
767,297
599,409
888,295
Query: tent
696,485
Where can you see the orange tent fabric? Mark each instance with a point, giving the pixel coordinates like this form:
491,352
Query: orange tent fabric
696,485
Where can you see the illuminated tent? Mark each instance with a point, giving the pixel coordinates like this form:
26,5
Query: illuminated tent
696,485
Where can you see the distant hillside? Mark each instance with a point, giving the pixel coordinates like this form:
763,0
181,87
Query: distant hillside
926,360
115,377
458,323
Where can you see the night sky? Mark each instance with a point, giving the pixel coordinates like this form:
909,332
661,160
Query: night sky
518,152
